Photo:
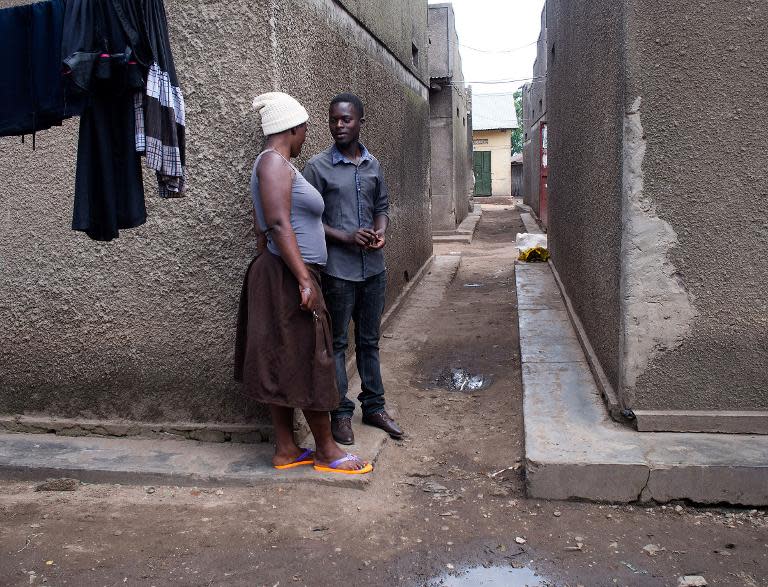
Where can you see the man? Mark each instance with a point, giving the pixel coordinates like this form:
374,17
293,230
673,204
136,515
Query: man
354,280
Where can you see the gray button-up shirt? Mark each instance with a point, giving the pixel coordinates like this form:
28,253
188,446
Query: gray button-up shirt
354,195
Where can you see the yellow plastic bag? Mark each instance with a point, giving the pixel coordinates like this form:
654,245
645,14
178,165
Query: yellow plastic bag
534,255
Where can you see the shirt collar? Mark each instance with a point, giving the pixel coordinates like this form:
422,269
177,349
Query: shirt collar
337,157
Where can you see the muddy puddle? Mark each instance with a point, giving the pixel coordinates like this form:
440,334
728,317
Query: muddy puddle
461,379
489,577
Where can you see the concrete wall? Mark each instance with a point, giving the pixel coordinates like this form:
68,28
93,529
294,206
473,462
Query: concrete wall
534,115
143,328
442,41
449,105
653,174
500,145
532,166
529,151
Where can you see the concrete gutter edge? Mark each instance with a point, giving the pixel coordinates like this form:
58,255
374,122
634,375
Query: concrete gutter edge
605,387
574,450
464,232
386,320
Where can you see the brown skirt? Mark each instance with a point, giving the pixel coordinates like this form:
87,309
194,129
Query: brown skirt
283,354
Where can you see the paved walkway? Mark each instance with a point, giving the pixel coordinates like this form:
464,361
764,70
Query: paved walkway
447,498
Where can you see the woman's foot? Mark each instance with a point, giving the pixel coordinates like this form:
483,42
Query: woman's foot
287,455
328,456
338,461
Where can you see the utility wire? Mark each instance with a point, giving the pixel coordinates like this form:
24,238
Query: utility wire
495,50
498,81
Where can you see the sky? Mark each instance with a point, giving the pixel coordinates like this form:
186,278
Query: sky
496,27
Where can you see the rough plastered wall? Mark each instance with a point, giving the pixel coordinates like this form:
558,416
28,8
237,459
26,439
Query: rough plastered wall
401,25
585,111
143,327
697,304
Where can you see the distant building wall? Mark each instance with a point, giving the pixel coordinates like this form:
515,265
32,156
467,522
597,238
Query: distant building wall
470,178
143,328
642,217
449,104
499,143
529,153
517,180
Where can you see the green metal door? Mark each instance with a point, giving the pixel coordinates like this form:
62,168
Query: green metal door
482,173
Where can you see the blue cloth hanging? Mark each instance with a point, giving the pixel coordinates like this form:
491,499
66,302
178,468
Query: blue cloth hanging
32,96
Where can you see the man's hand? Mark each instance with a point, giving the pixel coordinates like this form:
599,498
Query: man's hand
363,238
380,239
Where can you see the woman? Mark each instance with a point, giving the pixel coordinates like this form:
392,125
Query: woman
284,353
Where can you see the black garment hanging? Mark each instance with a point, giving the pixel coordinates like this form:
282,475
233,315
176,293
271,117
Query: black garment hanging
163,139
32,95
102,46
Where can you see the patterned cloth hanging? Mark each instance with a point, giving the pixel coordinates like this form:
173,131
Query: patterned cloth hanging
160,113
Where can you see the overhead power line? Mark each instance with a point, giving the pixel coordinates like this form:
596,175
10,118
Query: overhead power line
514,49
499,81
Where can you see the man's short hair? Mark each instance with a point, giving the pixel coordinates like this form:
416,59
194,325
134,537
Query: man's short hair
349,98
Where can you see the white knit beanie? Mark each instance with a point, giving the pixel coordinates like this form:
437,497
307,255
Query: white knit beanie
279,112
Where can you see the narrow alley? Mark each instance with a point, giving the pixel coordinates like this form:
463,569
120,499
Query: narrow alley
445,506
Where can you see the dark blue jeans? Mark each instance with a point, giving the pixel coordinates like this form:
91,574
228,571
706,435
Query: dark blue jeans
363,302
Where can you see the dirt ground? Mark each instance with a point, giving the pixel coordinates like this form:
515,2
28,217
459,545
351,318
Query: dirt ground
448,497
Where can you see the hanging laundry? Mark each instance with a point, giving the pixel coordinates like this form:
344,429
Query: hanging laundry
32,94
110,62
162,137
102,45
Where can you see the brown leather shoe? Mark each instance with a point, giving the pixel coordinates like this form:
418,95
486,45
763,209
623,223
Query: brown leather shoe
386,423
341,428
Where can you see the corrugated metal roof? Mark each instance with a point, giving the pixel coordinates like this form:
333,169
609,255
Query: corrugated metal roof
493,111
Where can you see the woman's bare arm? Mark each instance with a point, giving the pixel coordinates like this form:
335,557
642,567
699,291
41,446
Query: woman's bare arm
275,182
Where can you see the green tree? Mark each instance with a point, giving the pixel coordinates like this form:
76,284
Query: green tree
517,134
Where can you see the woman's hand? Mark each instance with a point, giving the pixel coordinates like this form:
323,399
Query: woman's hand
308,296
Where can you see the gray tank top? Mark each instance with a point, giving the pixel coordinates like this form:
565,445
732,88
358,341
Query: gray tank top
307,208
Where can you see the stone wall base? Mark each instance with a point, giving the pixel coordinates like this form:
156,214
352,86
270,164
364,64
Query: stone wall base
204,432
